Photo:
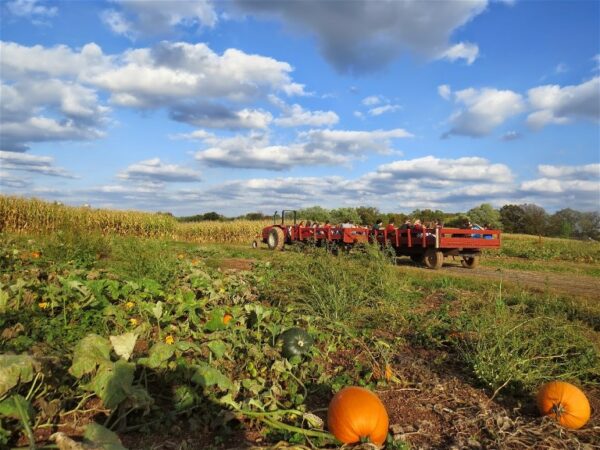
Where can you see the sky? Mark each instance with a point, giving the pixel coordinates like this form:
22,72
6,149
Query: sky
239,106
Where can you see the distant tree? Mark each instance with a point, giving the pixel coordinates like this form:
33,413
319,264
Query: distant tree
368,214
564,223
315,213
256,216
485,214
512,218
212,216
340,215
535,219
428,215
589,225
398,218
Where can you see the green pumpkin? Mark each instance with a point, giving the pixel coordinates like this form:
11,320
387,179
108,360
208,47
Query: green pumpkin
295,342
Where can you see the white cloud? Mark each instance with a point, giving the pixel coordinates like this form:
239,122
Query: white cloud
170,72
213,115
153,170
31,8
372,100
40,165
462,50
431,168
358,115
379,110
445,91
295,116
313,148
28,106
585,172
553,104
363,35
196,135
118,23
11,180
158,16
511,135
484,110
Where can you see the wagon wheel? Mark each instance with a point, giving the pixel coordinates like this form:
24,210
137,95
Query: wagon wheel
433,259
470,262
276,239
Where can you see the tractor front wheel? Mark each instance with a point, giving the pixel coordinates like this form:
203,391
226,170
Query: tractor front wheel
433,259
276,239
470,262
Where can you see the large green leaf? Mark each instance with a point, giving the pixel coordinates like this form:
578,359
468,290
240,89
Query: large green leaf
92,351
113,383
15,369
218,348
17,407
102,438
124,344
215,322
206,376
158,356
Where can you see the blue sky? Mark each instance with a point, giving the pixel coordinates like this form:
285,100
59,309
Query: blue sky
238,106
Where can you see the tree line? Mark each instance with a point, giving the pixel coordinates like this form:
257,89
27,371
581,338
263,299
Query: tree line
525,218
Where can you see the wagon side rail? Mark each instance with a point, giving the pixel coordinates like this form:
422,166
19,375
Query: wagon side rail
461,238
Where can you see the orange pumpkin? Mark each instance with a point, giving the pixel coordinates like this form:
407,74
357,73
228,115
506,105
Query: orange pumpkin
227,318
355,413
35,255
565,403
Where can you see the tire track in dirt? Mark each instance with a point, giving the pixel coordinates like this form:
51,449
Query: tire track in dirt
570,284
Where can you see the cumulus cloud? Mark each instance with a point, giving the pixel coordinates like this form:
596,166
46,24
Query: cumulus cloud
313,148
214,115
462,50
28,108
171,72
154,170
483,110
154,17
363,36
553,104
39,165
584,172
51,94
296,116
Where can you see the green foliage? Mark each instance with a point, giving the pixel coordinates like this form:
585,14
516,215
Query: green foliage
519,353
484,215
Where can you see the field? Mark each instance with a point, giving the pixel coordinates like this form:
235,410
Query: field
135,331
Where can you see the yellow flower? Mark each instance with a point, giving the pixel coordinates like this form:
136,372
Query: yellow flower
44,305
129,305
169,340
133,321
222,291
180,256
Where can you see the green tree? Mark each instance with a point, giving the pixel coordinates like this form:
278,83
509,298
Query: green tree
564,223
485,214
315,213
535,219
512,218
368,214
340,215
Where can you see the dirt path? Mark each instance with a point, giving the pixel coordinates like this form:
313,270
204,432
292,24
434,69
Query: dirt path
577,285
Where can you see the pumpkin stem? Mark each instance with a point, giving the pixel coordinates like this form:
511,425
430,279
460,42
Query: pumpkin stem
557,410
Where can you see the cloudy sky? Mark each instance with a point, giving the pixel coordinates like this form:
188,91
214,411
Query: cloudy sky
238,106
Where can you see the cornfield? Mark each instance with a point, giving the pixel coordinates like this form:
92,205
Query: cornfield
20,215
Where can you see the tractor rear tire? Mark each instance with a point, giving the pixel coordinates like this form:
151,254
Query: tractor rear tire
276,239
433,259
470,262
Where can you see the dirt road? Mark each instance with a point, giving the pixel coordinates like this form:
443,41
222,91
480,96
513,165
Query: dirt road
570,284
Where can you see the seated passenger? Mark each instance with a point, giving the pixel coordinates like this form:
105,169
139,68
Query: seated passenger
347,224
391,228
378,225
327,224
406,225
